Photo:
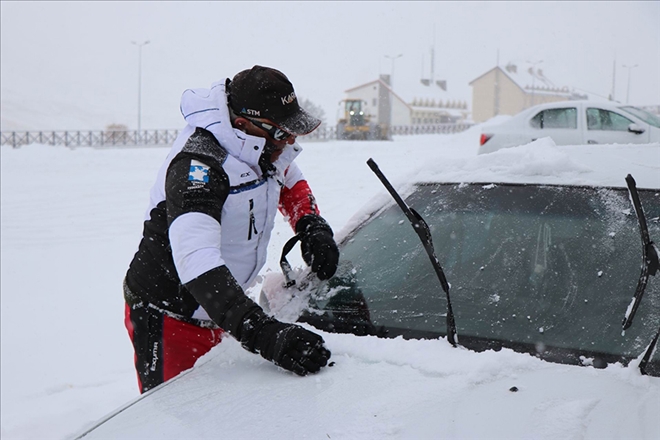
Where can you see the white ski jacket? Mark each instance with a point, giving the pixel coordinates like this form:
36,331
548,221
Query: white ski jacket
210,206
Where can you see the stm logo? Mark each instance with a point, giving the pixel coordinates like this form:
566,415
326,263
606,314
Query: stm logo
251,112
288,99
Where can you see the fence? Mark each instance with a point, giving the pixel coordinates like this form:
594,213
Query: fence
164,137
429,129
88,138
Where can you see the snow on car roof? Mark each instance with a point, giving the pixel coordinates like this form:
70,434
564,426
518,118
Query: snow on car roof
539,162
542,162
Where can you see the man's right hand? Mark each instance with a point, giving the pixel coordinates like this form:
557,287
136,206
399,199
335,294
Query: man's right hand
291,347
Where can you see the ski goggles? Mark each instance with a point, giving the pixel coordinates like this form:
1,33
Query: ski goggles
273,131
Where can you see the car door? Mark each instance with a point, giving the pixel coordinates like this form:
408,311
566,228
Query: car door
610,127
560,124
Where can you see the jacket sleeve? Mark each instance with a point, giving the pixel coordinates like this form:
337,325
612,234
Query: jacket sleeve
296,198
228,306
195,194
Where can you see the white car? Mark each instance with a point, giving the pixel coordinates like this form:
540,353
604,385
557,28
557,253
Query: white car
574,123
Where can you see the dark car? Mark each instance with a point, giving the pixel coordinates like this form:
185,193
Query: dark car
545,269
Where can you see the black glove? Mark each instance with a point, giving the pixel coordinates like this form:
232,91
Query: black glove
287,345
319,249
290,346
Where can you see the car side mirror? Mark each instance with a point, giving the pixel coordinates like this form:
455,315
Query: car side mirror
634,128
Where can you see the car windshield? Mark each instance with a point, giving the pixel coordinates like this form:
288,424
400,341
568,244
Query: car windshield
548,270
645,116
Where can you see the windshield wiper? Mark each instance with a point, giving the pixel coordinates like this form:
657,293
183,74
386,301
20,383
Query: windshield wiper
649,254
424,233
649,267
650,351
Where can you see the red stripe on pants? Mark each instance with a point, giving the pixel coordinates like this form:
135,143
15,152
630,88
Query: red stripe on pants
184,343
181,344
129,326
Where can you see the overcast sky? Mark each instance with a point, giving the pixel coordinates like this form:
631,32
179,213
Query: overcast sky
81,53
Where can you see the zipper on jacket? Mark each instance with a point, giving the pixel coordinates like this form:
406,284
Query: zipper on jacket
253,225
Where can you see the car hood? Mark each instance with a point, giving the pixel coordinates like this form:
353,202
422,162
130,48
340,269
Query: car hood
440,392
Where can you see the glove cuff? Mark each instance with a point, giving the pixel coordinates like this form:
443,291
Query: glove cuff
251,331
311,223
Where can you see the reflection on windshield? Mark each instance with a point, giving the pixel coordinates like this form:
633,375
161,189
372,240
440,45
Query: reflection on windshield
645,116
548,267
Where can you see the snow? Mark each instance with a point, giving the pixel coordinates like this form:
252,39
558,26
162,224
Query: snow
71,221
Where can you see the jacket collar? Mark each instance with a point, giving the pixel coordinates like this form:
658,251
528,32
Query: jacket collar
287,156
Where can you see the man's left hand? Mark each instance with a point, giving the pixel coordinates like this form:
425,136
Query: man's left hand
319,249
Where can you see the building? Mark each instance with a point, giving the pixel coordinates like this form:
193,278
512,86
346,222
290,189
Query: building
416,104
432,104
508,90
379,99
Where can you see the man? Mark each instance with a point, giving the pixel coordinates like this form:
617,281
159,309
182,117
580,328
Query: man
208,224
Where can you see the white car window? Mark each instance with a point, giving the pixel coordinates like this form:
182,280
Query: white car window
599,119
555,118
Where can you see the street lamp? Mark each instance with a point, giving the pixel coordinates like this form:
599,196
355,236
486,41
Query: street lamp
628,93
393,58
139,45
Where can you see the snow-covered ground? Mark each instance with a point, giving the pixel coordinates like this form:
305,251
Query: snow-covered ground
71,221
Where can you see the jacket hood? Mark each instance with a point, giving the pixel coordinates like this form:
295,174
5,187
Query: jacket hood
207,109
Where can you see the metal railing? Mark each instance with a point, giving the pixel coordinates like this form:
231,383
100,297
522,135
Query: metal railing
429,129
99,138
88,138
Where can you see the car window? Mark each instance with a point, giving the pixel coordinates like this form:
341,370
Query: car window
555,118
599,119
541,269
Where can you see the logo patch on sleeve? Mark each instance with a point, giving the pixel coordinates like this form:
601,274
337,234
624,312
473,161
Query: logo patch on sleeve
199,172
